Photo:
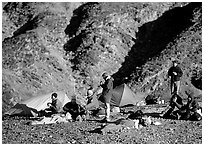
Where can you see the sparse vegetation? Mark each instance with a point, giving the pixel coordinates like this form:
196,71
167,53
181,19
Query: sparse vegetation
67,46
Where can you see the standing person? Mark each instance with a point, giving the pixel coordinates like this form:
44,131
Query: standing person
107,94
175,73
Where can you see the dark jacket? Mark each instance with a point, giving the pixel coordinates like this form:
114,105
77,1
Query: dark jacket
107,86
189,111
179,72
74,109
179,101
192,105
107,90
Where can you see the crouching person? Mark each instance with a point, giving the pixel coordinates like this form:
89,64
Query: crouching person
190,111
175,102
78,112
92,102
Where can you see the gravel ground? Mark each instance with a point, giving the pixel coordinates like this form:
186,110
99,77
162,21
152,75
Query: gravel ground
16,130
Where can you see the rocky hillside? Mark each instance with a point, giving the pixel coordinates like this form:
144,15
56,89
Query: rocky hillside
67,46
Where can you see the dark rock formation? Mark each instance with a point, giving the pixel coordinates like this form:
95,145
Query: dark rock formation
67,46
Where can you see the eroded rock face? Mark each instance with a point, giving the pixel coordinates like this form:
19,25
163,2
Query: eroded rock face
33,56
102,34
67,46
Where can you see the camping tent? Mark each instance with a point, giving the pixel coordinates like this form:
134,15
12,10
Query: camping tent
123,95
34,104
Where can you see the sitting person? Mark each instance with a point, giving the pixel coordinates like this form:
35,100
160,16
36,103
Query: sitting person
53,107
189,111
76,110
175,101
92,105
92,101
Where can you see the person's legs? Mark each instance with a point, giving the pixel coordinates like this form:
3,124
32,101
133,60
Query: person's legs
167,113
195,116
186,115
172,87
177,86
107,111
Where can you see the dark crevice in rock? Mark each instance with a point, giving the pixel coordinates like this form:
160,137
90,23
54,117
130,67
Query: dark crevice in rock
78,16
154,36
74,43
197,82
30,25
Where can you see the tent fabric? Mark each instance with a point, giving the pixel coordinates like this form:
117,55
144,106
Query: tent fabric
123,95
34,104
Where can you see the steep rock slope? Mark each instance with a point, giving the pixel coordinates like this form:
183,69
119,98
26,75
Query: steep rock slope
102,34
32,55
174,35
67,46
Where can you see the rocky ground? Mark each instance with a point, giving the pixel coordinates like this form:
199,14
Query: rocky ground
17,131
48,47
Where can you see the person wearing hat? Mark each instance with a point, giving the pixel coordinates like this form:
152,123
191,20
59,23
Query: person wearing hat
92,101
107,93
175,73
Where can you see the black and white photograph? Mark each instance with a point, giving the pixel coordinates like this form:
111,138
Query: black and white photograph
101,72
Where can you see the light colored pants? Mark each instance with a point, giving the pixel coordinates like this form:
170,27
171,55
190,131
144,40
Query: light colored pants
107,106
175,86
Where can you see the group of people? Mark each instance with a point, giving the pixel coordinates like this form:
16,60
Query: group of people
77,110
188,111
56,107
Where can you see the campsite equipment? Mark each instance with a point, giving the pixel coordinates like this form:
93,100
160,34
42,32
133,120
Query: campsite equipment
115,109
33,105
54,119
152,99
136,123
136,115
156,123
123,96
146,121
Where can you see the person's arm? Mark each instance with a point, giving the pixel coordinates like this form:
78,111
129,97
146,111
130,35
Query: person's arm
179,72
170,72
55,108
81,109
194,105
65,108
90,104
109,85
177,105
